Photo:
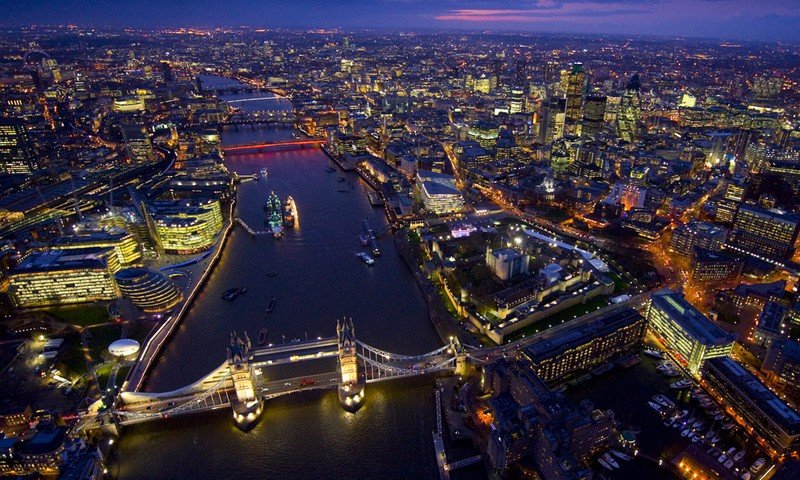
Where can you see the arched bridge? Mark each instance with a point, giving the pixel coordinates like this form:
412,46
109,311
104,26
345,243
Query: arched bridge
244,381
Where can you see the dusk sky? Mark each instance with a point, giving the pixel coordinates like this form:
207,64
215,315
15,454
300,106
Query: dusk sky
736,19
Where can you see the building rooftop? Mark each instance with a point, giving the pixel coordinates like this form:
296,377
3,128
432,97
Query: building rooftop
689,318
574,337
433,189
49,260
757,392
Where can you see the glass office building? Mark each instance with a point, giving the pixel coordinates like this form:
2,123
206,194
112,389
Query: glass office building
691,336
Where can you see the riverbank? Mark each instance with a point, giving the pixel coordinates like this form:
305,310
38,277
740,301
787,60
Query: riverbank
444,323
137,375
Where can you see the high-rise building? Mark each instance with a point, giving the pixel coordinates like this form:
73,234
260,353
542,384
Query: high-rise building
138,145
765,233
782,366
166,72
17,155
516,101
727,205
594,111
125,246
59,277
630,110
687,332
553,120
697,234
775,425
184,226
588,345
576,82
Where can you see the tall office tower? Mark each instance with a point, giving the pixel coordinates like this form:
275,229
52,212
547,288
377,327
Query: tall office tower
727,205
574,89
766,87
551,73
521,71
166,72
552,120
764,233
782,136
630,110
741,139
138,145
498,66
594,111
17,155
516,101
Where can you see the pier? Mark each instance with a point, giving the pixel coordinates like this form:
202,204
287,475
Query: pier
250,230
373,242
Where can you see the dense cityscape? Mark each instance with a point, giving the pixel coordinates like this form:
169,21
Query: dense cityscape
540,256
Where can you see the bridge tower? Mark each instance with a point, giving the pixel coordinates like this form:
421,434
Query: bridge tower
351,385
462,365
247,405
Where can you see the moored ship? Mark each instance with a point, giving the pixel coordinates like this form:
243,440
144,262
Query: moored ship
289,212
366,258
274,215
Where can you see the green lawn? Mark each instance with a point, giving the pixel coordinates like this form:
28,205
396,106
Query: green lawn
571,313
620,285
82,315
101,337
72,361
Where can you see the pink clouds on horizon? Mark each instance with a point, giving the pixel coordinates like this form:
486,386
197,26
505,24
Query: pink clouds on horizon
584,12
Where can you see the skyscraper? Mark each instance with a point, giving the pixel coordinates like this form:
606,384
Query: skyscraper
764,233
594,110
516,101
630,110
574,89
553,120
17,155
138,145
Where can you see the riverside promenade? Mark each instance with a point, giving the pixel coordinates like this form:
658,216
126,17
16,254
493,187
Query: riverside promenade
162,333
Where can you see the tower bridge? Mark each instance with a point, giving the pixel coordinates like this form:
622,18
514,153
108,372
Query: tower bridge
243,382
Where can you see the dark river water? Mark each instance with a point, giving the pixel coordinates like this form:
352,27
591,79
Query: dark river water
319,279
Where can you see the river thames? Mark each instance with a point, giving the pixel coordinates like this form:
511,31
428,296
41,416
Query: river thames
319,279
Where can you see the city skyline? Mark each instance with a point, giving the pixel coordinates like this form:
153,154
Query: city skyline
724,19
363,253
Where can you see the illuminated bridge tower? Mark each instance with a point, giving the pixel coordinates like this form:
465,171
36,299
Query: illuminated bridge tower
461,364
247,405
351,386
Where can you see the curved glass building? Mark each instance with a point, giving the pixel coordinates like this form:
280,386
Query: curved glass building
149,290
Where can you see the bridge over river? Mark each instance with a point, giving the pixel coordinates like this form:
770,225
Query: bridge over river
243,382
260,147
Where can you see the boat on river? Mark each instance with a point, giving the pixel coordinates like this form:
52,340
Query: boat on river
274,215
232,293
289,212
271,306
366,258
262,336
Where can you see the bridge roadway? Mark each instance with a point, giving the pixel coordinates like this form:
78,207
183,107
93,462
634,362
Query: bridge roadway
258,147
214,390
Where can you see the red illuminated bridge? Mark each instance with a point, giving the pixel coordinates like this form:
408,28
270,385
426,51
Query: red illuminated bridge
279,145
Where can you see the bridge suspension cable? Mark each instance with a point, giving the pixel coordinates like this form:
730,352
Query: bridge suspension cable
193,404
389,356
375,370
